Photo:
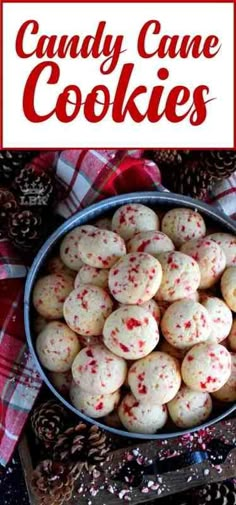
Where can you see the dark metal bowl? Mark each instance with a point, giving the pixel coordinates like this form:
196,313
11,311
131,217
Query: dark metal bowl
156,200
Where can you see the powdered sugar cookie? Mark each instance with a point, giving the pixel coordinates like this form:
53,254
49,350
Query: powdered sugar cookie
50,293
232,337
154,308
93,405
182,225
210,258
221,318
98,371
135,278
56,266
101,248
131,332
61,381
180,276
86,309
155,378
151,242
186,323
189,408
228,287
206,367
228,392
69,246
57,346
227,242
133,218
141,418
92,275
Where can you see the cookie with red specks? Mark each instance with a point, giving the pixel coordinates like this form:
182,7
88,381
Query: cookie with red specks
227,242
69,246
57,345
101,248
97,405
228,287
210,258
155,378
131,332
135,278
182,225
206,367
232,337
56,266
180,277
98,371
138,417
86,309
49,294
221,318
92,275
132,218
190,408
151,242
186,323
228,392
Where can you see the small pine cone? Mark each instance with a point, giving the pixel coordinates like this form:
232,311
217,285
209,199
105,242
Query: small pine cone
188,180
8,204
167,157
97,449
219,493
25,229
11,162
48,421
35,189
52,483
219,164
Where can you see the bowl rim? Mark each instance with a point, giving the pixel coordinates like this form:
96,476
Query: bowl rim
82,217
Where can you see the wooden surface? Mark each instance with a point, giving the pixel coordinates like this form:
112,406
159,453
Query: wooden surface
166,484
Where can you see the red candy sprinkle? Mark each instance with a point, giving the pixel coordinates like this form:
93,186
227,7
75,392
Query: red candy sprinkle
132,323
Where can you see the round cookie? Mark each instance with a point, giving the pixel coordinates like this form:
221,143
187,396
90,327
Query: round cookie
98,371
189,408
186,323
93,405
180,276
154,308
232,337
131,332
182,225
69,246
227,242
92,275
56,266
206,367
135,278
210,258
101,248
57,347
61,381
151,242
228,392
133,218
155,378
228,287
50,293
164,346
86,309
221,318
141,418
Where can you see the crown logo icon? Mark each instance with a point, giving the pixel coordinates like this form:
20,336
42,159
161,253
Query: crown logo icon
33,189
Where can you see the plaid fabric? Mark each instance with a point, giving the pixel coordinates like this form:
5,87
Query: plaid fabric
86,176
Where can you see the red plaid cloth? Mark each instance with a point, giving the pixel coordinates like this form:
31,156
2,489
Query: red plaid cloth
86,176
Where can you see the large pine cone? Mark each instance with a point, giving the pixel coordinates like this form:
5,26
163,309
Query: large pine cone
25,229
219,164
220,493
83,446
52,482
8,204
167,157
188,179
48,421
11,162
35,189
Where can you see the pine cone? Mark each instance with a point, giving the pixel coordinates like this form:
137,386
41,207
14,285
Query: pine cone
35,189
220,493
189,179
52,482
11,162
25,229
48,421
219,164
82,446
8,204
167,157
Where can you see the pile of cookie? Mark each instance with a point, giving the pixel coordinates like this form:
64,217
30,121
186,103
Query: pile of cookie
135,318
